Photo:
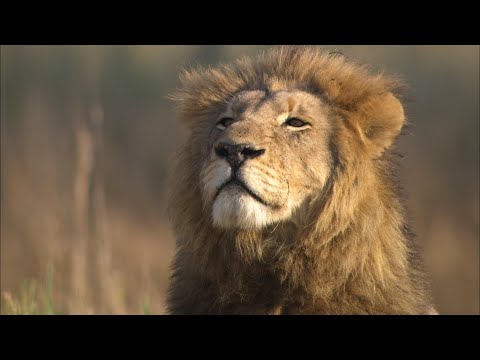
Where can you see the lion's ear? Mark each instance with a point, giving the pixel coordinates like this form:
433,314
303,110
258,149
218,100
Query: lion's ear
379,120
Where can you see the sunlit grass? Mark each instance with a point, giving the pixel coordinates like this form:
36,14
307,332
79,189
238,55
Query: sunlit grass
48,299
29,300
146,307
35,298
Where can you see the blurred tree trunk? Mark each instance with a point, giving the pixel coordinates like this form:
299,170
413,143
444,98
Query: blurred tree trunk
109,296
92,271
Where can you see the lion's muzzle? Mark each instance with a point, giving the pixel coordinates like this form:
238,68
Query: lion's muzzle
236,154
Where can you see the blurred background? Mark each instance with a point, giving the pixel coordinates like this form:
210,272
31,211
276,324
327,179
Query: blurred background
86,137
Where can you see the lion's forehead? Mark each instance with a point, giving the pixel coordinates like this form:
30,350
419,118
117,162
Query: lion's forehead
275,102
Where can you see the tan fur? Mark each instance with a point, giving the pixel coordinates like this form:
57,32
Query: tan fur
333,237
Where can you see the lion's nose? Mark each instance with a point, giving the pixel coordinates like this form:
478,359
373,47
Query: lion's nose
236,154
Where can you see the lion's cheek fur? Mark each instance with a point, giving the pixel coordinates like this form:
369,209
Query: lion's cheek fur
212,176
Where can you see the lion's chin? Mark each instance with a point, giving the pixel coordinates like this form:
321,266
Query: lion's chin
236,209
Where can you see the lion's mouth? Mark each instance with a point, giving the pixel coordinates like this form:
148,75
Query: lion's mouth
237,182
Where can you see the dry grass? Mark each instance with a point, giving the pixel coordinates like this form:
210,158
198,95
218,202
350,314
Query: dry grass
34,298
139,277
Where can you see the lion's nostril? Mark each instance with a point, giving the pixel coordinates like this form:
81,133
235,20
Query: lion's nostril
221,151
252,153
236,154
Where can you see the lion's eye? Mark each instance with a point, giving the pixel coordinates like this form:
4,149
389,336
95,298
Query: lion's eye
295,122
224,123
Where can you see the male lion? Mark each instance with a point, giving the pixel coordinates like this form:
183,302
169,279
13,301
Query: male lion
284,197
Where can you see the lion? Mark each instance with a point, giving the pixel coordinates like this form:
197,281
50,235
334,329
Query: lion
284,198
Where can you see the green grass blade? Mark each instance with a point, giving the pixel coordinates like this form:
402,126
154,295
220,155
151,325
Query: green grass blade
48,298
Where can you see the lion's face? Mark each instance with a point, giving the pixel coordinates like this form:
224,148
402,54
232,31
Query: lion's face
267,153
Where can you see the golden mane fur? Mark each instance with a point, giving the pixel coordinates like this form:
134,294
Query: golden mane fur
353,252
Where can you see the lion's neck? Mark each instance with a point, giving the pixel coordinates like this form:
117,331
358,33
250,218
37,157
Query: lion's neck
349,248
349,255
